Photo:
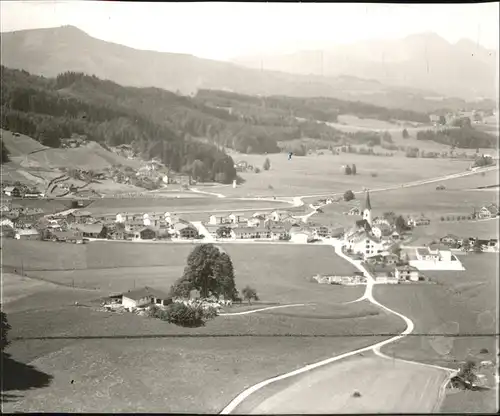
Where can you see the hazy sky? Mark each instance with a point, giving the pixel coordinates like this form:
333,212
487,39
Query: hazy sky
225,30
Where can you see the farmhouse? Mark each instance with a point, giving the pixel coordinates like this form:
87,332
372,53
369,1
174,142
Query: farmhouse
406,273
489,211
353,211
78,217
146,233
383,257
29,234
381,230
67,236
7,231
450,239
300,235
185,230
279,233
13,191
251,232
255,222
220,219
90,230
418,221
145,297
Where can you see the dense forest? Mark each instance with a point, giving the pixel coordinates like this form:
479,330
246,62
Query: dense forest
464,137
160,123
5,152
53,109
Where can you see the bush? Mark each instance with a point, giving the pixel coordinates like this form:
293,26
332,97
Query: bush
349,195
182,314
356,394
442,218
256,170
484,351
374,174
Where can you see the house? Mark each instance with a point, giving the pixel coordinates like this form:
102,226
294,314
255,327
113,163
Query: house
364,243
235,218
300,235
489,211
320,231
6,231
388,279
255,222
145,233
145,297
75,237
78,217
251,232
33,214
185,230
4,208
424,254
381,230
222,219
13,191
418,221
381,221
406,273
383,257
90,230
279,233
450,239
29,234
353,211
337,232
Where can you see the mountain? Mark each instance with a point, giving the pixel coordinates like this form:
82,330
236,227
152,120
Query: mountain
49,52
424,61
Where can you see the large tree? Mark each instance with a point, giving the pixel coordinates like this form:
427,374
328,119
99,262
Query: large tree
208,270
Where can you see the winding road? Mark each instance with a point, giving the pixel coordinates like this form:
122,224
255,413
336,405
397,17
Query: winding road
303,394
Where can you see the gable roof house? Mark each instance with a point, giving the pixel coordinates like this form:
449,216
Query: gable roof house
406,273
90,230
145,233
144,297
29,234
185,230
365,243
251,232
489,211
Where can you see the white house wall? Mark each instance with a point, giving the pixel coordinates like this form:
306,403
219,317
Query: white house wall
437,265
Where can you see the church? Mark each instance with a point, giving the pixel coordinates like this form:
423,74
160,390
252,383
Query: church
361,239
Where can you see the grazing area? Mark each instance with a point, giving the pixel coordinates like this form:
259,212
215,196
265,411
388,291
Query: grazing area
383,386
455,319
200,204
323,174
281,273
203,374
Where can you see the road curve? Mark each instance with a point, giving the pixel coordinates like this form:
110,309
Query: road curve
368,295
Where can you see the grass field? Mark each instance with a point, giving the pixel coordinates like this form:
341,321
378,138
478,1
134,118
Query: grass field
462,305
385,386
311,175
418,199
200,204
279,273
158,375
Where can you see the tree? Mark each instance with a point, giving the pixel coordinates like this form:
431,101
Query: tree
386,137
401,224
347,170
5,329
353,169
249,293
224,232
390,217
467,373
267,164
348,195
442,120
198,170
466,245
406,135
477,247
5,152
256,170
208,270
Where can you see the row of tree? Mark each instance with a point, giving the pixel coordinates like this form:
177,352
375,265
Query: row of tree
465,137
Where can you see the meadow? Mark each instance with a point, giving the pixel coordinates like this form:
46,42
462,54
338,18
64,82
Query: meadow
455,319
386,386
323,174
115,359
199,203
280,273
415,200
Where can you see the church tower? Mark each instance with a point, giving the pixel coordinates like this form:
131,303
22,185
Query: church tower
367,211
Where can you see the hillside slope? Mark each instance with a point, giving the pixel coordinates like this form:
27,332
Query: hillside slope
52,51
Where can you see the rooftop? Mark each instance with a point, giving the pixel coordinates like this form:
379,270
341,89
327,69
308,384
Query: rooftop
145,292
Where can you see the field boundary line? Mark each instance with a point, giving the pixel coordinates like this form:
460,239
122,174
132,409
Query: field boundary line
266,309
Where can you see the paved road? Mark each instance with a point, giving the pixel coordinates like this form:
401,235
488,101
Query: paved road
303,393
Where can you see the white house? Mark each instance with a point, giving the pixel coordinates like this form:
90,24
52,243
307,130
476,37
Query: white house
144,297
300,236
435,258
253,222
489,211
120,218
406,273
364,243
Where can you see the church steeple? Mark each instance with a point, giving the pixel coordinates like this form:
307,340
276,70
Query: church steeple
368,205
367,211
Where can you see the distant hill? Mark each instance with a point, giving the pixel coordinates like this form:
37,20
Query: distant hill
423,61
52,51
